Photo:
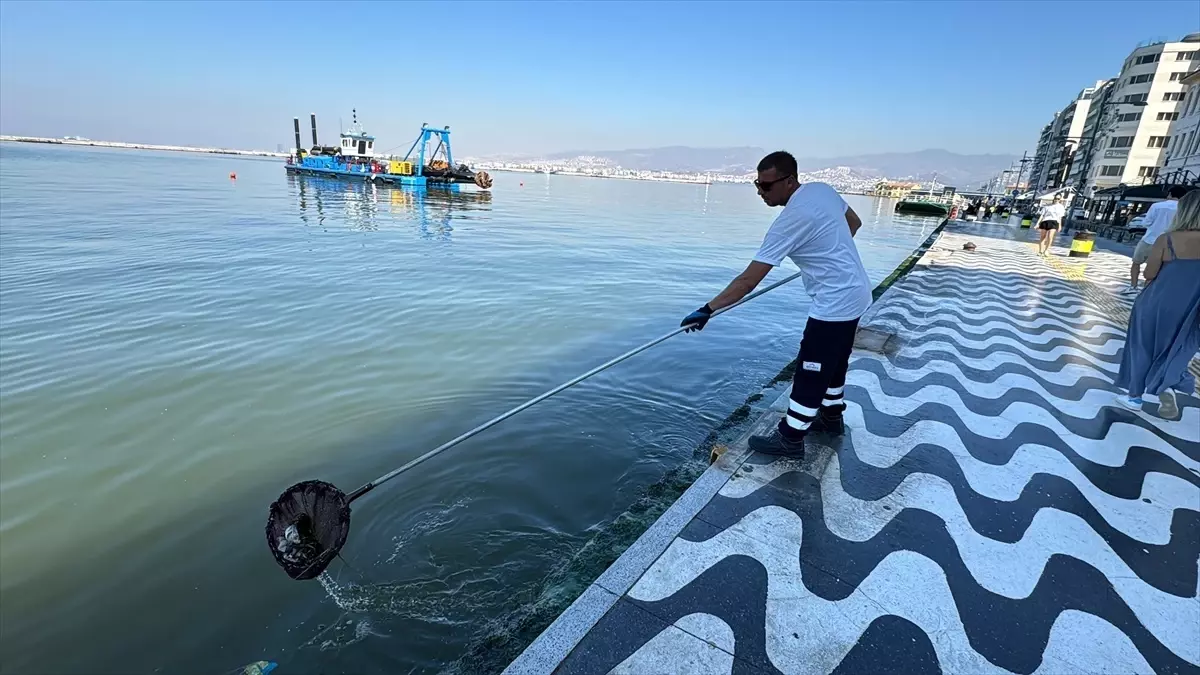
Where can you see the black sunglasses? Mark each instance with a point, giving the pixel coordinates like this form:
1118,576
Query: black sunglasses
766,185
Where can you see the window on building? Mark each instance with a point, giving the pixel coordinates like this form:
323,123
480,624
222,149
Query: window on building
1168,116
1175,77
1121,142
1148,172
1138,79
1149,58
1135,98
1112,170
1173,96
1157,141
1129,117
1185,56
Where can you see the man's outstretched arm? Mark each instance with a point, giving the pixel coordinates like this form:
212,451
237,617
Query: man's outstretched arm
854,221
741,286
737,289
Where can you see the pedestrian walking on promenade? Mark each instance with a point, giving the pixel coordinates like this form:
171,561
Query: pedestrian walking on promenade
1049,221
1158,218
1164,326
816,230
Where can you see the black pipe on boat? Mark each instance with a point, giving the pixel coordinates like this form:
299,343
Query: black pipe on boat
313,116
296,124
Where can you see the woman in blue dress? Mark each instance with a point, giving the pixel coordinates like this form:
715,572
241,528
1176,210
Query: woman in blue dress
1164,326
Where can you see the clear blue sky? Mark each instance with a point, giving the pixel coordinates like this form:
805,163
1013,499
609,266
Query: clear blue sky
821,79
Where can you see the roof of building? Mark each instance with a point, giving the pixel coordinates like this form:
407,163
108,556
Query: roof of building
1142,193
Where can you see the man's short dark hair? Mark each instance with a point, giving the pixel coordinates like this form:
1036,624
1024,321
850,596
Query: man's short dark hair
780,160
1176,191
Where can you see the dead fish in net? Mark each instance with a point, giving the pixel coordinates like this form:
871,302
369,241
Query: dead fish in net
307,526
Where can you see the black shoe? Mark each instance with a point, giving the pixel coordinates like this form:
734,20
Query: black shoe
828,423
775,444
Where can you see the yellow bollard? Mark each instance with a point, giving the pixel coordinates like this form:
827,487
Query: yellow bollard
1081,245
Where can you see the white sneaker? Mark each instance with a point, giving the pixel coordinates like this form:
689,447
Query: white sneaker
1167,408
1133,403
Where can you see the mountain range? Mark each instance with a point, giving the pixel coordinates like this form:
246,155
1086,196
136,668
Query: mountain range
950,168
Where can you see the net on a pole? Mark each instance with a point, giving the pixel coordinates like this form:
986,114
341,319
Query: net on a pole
307,526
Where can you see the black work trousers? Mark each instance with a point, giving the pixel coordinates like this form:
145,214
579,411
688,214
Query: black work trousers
820,379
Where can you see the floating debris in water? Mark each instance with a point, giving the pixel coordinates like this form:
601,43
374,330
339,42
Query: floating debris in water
259,668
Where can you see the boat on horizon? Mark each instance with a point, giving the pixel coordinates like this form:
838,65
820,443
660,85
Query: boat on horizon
354,159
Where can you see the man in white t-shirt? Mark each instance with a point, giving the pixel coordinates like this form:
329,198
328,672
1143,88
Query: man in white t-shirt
1158,219
816,230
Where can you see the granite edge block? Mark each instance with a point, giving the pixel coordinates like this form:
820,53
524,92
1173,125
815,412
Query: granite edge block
629,567
555,643
633,563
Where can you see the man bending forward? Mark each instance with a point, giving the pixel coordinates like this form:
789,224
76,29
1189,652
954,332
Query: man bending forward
816,230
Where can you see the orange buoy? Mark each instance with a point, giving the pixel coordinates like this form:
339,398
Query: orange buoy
232,176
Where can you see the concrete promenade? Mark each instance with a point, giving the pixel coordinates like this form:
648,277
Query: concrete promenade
990,508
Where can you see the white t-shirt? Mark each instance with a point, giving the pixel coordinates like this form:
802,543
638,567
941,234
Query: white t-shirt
813,232
1054,212
1158,219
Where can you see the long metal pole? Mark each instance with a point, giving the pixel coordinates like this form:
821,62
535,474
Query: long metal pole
1024,159
538,399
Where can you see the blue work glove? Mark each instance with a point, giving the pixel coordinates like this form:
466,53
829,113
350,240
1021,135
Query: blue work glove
697,319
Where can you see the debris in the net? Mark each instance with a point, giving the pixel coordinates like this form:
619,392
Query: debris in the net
307,526
298,543
259,668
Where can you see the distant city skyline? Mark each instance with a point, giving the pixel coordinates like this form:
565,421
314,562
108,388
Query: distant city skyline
539,78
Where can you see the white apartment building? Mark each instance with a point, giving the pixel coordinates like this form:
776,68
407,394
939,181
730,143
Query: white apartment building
1182,163
1040,167
1134,113
1058,140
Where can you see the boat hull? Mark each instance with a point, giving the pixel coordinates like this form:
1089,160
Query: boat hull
363,176
922,209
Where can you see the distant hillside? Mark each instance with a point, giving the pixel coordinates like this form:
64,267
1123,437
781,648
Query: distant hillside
951,168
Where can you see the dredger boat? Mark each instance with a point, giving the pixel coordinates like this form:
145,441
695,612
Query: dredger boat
354,159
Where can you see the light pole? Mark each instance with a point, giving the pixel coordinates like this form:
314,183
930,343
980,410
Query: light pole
1025,159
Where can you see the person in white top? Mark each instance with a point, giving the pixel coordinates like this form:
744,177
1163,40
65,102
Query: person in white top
816,231
1158,218
1049,221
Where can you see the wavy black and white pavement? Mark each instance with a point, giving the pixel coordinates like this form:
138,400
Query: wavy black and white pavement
989,510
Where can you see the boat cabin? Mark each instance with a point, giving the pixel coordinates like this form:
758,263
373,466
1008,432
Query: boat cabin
358,145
